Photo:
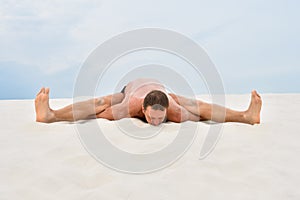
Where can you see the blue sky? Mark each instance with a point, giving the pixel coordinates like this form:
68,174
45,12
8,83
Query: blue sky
253,43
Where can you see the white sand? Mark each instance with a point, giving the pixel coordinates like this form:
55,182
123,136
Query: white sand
48,161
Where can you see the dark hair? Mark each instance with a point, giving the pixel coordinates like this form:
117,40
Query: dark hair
158,100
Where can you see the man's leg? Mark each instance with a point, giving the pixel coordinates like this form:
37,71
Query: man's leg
84,110
216,113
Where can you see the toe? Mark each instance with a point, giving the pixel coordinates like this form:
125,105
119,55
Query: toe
254,93
47,90
42,90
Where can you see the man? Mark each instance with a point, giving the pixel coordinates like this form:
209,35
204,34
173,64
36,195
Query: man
145,99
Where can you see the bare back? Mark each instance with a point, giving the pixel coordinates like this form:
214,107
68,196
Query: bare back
139,88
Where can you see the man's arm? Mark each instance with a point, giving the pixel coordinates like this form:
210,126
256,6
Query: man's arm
115,112
125,109
177,113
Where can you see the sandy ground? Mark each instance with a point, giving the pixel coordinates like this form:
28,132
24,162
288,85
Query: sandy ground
48,161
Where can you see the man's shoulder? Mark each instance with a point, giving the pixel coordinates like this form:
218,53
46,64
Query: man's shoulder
135,107
134,100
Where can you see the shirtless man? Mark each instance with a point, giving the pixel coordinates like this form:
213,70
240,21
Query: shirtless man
145,99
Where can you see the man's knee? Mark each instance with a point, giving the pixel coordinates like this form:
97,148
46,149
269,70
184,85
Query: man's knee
99,101
117,98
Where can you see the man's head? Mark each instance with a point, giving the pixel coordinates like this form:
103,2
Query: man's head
155,107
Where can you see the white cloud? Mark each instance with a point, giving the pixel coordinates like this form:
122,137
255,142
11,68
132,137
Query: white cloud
263,41
38,33
239,36
54,35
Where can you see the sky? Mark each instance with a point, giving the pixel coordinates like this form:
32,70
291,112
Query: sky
253,44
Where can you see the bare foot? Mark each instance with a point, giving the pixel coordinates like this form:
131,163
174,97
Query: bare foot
42,108
252,115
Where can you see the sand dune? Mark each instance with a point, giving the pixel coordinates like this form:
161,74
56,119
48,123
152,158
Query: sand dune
48,161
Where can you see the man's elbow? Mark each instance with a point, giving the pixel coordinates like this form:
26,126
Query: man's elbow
178,118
